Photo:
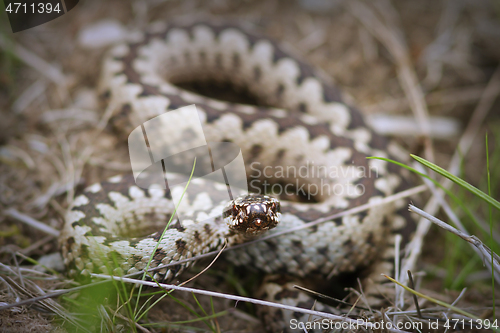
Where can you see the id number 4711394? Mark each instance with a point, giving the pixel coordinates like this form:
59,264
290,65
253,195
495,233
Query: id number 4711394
455,324
32,8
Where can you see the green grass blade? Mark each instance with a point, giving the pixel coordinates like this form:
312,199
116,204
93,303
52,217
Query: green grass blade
433,300
449,193
464,206
146,311
491,226
458,181
189,321
163,234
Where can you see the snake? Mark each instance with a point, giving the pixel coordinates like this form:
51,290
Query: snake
298,130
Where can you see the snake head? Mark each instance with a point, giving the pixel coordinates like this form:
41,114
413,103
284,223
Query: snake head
252,214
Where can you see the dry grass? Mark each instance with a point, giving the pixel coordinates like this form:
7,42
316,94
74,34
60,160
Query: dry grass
418,59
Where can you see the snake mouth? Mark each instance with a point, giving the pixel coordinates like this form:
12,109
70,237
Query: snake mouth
252,214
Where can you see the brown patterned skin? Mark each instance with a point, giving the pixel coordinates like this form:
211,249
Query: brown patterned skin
305,135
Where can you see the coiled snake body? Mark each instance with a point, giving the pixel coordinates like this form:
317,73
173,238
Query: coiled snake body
306,135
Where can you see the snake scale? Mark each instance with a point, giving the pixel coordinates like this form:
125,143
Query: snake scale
302,124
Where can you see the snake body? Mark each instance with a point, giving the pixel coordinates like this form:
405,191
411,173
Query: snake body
304,125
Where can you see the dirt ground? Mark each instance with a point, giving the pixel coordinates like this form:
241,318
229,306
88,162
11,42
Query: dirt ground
433,64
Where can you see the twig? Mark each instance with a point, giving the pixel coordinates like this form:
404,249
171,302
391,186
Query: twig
390,36
489,95
397,263
48,304
485,251
358,323
206,268
14,213
415,300
438,302
437,309
51,295
440,50
31,59
484,105
141,328
312,41
320,295
55,189
438,195
457,299
453,96
29,95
